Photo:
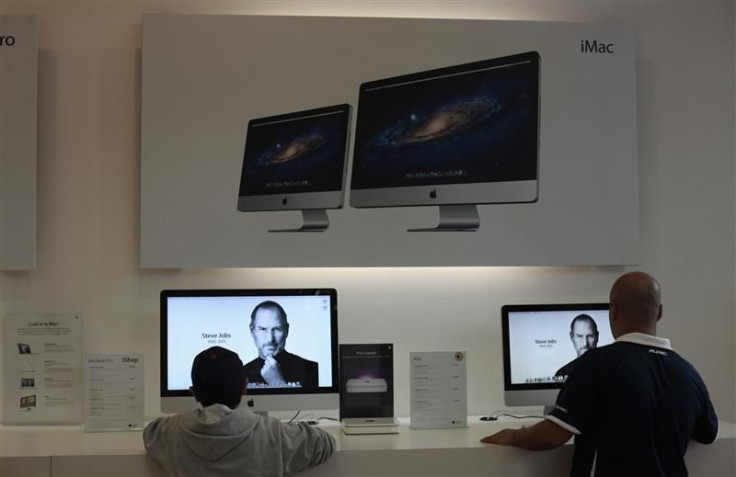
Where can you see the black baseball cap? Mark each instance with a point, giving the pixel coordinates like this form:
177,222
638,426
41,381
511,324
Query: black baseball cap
218,376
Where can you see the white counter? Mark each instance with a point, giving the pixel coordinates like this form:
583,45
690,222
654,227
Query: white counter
69,450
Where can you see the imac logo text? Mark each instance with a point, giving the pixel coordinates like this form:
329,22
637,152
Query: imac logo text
587,46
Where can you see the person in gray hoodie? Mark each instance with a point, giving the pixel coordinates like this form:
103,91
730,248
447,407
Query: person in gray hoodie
224,439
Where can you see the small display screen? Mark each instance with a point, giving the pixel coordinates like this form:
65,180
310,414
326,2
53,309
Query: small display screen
472,123
297,152
542,342
366,380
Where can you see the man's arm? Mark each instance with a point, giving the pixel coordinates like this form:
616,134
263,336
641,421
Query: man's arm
541,436
154,440
304,446
705,429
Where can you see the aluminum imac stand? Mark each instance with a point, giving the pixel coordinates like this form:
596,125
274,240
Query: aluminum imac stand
455,218
315,220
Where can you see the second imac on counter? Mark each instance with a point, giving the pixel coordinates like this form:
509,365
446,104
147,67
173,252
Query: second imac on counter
541,344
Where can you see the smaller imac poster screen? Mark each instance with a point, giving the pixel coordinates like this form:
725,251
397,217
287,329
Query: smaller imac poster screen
366,380
300,152
197,323
472,123
540,345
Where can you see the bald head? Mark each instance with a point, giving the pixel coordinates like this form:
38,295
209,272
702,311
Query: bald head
635,304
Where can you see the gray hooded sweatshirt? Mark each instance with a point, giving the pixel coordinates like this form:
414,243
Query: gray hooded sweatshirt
217,440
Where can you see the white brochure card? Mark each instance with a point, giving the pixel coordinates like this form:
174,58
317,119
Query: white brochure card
114,392
439,392
42,360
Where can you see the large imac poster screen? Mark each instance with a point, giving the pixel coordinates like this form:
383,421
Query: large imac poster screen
296,152
472,123
542,342
303,348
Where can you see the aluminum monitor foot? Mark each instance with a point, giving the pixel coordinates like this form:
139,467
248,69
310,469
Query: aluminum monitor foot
455,218
315,220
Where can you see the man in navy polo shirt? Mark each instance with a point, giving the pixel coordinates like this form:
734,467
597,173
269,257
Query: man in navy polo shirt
634,405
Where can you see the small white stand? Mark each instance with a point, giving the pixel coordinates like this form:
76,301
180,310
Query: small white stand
371,425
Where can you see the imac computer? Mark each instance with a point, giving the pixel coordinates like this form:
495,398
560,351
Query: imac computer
296,161
541,344
452,137
305,348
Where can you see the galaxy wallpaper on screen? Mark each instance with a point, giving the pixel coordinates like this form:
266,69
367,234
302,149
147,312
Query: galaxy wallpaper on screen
299,155
475,125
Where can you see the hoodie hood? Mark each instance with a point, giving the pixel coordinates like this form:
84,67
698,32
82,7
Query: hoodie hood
212,432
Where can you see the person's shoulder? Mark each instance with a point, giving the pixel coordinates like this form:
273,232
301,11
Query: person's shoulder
626,347
589,362
164,424
566,369
685,365
173,417
252,362
613,352
613,349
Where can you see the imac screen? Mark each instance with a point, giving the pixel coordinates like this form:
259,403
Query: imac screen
542,342
295,356
476,123
299,157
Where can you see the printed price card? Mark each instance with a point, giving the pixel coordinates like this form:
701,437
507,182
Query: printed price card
439,389
114,392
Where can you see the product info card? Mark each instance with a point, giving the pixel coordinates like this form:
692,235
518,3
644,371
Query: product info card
42,360
438,389
114,392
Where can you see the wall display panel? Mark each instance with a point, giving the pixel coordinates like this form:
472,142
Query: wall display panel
18,103
200,90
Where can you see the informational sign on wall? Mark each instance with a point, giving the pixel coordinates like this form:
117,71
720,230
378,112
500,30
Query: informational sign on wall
114,387
42,375
439,392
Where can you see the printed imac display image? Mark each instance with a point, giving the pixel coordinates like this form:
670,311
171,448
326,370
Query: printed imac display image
472,123
297,152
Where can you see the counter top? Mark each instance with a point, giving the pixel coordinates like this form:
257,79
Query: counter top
37,441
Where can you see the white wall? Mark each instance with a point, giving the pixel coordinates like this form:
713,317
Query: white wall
88,196
18,91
